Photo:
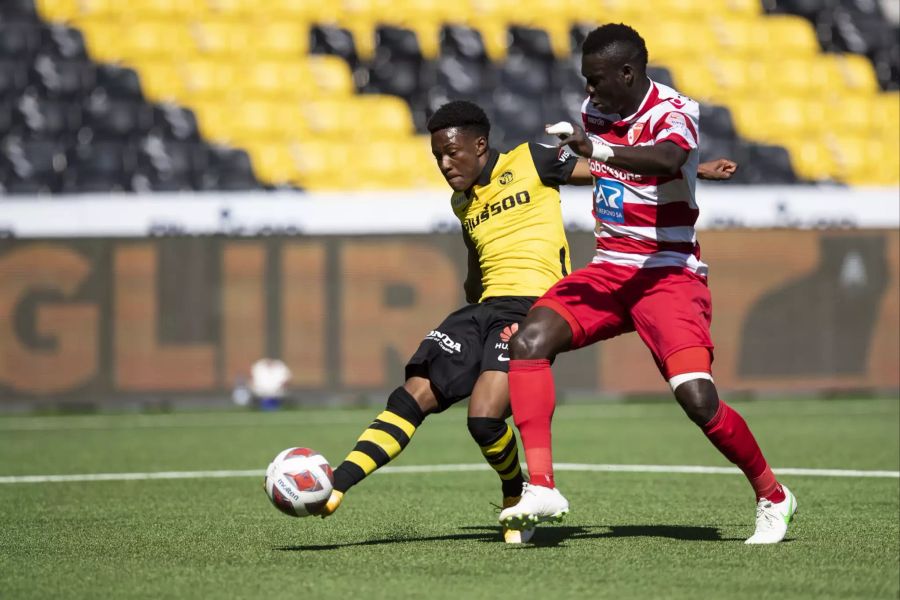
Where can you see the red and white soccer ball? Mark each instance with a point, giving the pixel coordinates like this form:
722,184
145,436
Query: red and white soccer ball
299,481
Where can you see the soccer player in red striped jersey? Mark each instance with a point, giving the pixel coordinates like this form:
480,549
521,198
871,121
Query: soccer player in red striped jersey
646,276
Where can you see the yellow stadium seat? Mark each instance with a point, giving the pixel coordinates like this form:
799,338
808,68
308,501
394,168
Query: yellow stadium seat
363,32
332,118
385,116
257,120
694,79
99,8
495,36
273,163
620,11
215,120
674,38
161,81
156,39
58,10
331,75
755,120
737,37
855,158
217,37
786,36
886,164
381,166
422,165
278,79
428,34
103,39
746,8
209,79
279,40
234,9
738,76
811,158
887,114
797,77
854,71
166,9
323,165
305,11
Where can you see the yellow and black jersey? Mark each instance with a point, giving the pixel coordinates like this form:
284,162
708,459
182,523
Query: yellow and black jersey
513,220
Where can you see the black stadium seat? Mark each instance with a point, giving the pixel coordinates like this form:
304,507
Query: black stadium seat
13,77
62,78
463,78
119,82
40,118
525,74
174,122
716,122
763,164
18,9
228,169
330,39
100,167
398,65
19,39
109,118
33,165
64,42
464,43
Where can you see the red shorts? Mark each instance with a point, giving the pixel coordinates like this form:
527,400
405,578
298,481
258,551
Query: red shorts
669,307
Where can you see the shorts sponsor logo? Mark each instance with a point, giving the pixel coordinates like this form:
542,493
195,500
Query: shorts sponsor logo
444,341
609,201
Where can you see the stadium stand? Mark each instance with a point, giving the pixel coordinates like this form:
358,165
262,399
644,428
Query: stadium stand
232,94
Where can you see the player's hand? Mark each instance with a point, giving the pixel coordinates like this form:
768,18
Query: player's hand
717,170
572,136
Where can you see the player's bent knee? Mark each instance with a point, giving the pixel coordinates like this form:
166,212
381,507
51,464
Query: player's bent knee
404,404
677,380
486,430
529,343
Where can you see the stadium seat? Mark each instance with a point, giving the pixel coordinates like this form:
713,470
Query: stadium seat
58,10
716,122
761,163
855,71
524,74
228,169
174,122
59,78
13,77
278,40
38,118
119,82
63,42
330,39
460,41
320,164
274,163
19,39
220,38
463,78
100,167
331,76
380,115
111,118
162,81
233,9
208,79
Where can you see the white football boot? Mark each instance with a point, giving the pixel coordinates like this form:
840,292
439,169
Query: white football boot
515,536
772,519
539,504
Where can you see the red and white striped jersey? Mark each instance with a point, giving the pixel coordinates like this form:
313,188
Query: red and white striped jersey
647,221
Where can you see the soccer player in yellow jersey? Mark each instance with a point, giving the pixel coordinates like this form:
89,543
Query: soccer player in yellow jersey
509,208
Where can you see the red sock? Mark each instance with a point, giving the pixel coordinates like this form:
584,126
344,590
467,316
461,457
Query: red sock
729,433
533,398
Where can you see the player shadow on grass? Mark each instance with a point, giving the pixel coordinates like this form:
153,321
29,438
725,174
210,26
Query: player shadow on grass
546,536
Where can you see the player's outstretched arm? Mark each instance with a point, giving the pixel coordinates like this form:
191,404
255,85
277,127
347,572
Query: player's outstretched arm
665,158
715,170
720,169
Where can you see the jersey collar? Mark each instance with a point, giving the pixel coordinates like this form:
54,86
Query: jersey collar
485,177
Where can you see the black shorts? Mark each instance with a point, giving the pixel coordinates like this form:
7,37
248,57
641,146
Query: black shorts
467,343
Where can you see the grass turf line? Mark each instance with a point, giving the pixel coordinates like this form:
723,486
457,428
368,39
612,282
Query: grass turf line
629,535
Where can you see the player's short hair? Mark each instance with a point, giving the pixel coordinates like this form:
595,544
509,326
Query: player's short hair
462,114
618,38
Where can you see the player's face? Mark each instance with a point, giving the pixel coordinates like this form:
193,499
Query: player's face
608,82
458,154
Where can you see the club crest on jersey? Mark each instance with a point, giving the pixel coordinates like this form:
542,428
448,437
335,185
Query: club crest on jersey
635,132
506,177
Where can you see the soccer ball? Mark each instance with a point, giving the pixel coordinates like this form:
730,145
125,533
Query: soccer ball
299,481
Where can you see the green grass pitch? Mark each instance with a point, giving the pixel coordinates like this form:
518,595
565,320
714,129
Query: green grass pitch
435,535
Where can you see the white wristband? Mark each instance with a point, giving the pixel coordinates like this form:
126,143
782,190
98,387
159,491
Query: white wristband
602,152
